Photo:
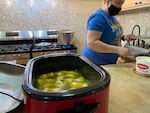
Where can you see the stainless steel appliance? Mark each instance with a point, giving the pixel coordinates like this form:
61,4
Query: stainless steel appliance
15,35
20,46
44,34
67,37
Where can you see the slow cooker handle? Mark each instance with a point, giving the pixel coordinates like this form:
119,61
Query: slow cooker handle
80,107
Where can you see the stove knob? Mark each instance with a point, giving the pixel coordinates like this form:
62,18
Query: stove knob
19,55
3,56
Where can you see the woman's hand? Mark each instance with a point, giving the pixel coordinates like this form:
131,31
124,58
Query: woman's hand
129,37
124,52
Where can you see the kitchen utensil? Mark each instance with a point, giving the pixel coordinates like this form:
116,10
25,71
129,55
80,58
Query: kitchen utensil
10,86
67,37
90,99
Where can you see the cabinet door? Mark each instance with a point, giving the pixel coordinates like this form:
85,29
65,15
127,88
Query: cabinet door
134,4
130,4
145,2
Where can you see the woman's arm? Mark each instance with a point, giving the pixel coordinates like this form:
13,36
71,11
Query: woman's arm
94,43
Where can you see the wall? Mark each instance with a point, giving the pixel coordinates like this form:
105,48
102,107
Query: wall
60,15
139,16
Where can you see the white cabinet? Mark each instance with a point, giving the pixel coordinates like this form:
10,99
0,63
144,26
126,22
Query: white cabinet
129,4
145,2
135,4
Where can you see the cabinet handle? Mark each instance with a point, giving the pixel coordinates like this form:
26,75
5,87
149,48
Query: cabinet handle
140,2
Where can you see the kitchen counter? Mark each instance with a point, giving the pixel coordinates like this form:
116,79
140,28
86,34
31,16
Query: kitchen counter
129,92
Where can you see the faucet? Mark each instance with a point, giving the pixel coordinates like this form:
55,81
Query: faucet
138,42
138,28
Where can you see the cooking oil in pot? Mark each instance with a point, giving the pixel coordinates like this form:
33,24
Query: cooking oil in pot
60,81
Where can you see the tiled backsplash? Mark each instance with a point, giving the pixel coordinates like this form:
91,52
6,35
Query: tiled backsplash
139,17
56,14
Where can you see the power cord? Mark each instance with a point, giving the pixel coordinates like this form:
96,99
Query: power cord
11,96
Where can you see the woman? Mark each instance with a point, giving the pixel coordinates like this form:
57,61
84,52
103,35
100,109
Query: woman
104,34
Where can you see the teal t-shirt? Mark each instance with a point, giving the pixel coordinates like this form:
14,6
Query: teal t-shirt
112,32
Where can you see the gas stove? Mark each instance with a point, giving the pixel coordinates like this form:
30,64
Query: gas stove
25,41
22,53
17,48
25,48
21,46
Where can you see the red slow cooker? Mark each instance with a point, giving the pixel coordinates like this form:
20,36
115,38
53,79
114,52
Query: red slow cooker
90,99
